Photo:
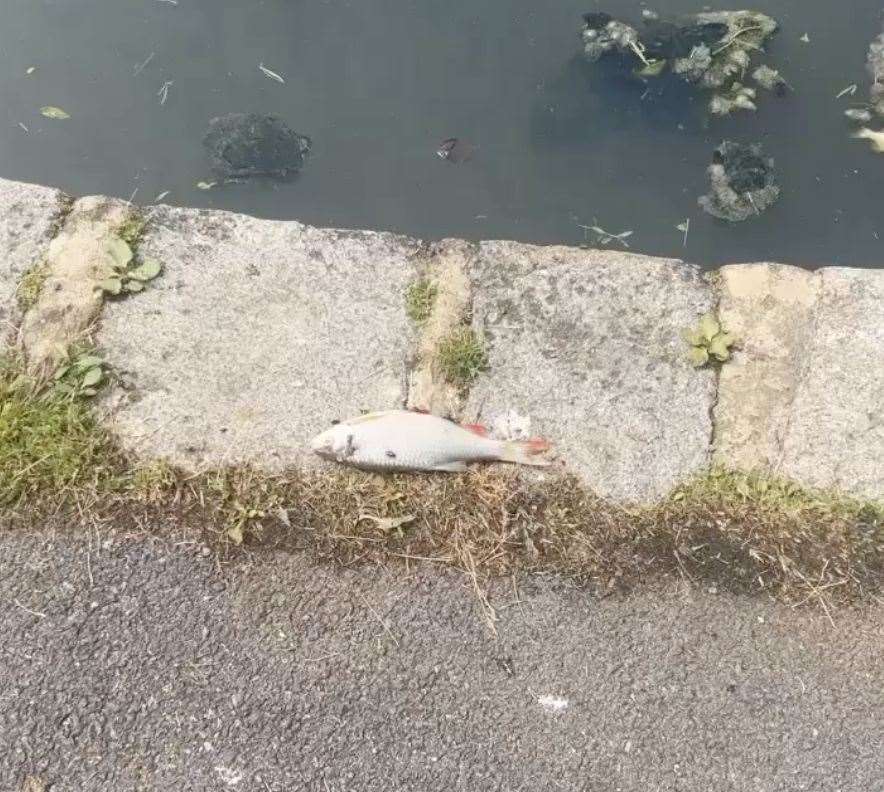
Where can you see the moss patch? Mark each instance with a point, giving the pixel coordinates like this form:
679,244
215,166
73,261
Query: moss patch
462,357
31,284
132,229
419,300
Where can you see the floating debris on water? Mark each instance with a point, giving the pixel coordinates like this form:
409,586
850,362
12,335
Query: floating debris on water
737,97
875,68
770,80
711,49
142,66
54,112
684,227
866,112
30,70
850,90
455,150
161,196
27,131
163,93
742,183
805,38
205,185
603,237
876,138
271,74
248,144
858,114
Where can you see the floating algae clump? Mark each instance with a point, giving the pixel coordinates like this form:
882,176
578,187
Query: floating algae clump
712,49
875,67
743,183
241,145
864,113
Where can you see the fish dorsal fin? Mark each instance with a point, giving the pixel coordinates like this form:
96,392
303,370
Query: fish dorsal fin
477,429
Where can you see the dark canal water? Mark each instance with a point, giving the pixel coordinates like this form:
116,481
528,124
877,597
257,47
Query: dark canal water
377,84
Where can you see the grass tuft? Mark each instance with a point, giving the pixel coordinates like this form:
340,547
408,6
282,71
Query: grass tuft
419,300
462,357
153,481
50,443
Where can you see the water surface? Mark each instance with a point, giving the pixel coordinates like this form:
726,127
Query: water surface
378,84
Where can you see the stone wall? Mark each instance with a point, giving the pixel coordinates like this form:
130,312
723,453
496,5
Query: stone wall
260,333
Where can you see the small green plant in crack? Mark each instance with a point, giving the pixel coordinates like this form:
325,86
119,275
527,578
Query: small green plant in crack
462,356
709,341
419,300
132,229
81,375
31,284
130,276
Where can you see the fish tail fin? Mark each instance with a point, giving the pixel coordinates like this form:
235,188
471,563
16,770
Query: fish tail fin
526,452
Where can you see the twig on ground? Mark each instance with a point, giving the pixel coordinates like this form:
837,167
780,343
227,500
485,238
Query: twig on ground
28,610
378,617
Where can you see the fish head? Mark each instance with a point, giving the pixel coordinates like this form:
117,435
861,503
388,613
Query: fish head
336,442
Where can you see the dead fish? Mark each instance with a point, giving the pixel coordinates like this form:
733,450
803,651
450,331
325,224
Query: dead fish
455,150
401,440
874,137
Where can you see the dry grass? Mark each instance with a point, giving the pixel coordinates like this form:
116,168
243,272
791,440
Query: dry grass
739,532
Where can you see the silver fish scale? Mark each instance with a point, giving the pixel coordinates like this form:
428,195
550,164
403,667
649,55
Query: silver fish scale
402,443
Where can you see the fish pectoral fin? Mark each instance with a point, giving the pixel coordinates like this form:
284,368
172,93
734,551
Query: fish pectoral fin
452,467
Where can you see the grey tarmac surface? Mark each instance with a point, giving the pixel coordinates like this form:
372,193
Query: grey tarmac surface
137,663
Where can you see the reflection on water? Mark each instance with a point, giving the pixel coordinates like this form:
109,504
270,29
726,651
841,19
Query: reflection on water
379,85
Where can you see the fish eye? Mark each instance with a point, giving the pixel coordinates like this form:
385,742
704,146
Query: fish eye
335,421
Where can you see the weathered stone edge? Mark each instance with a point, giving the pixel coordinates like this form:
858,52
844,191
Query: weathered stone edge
68,206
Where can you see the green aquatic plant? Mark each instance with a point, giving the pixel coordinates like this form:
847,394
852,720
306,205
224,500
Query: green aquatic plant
709,341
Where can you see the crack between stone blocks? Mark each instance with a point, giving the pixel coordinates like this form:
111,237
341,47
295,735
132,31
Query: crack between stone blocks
55,321
714,281
65,207
447,267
